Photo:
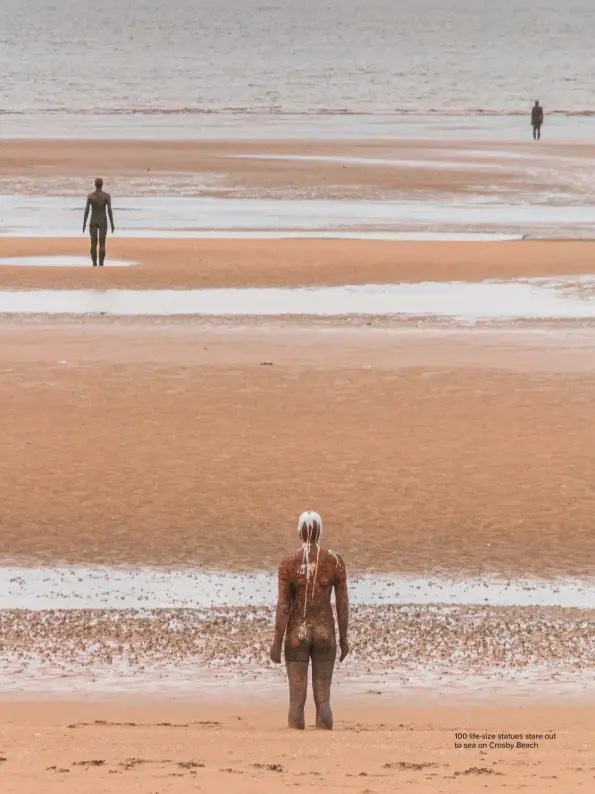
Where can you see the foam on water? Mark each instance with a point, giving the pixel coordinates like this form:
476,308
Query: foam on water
78,587
537,299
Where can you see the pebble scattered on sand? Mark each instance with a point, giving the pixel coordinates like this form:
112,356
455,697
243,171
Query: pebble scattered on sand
129,647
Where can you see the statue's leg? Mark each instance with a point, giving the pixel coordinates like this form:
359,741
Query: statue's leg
297,673
323,665
93,233
322,678
102,236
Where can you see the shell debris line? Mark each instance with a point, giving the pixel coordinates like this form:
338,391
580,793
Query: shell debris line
398,645
124,628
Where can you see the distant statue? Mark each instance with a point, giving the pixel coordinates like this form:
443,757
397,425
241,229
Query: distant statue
99,204
536,120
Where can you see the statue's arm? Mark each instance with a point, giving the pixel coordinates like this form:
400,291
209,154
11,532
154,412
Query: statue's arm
282,612
109,212
87,208
342,602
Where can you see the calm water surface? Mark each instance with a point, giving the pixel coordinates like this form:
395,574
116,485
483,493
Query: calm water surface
305,56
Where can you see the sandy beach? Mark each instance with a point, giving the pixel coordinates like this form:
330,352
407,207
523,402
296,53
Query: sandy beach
160,445
195,264
376,747
345,278
142,450
326,169
340,169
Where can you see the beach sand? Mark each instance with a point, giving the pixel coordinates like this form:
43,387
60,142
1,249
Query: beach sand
355,168
182,444
179,443
289,263
377,746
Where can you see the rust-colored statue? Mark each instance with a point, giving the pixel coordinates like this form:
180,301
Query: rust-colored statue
99,203
305,618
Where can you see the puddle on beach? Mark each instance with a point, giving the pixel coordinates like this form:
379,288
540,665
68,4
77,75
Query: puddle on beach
175,216
335,234
57,261
458,165
537,299
151,588
271,234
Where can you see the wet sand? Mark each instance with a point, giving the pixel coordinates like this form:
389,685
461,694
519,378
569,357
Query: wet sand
415,169
133,446
252,263
179,444
444,167
477,128
423,654
96,630
378,745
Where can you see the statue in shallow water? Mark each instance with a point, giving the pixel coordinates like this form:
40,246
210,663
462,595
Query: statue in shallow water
99,203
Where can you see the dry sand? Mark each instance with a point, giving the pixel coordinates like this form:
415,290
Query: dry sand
177,446
377,746
223,263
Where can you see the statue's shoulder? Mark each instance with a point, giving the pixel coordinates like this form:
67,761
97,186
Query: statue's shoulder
340,565
288,560
289,567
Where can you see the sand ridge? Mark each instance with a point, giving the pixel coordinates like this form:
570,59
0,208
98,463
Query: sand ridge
197,263
47,162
